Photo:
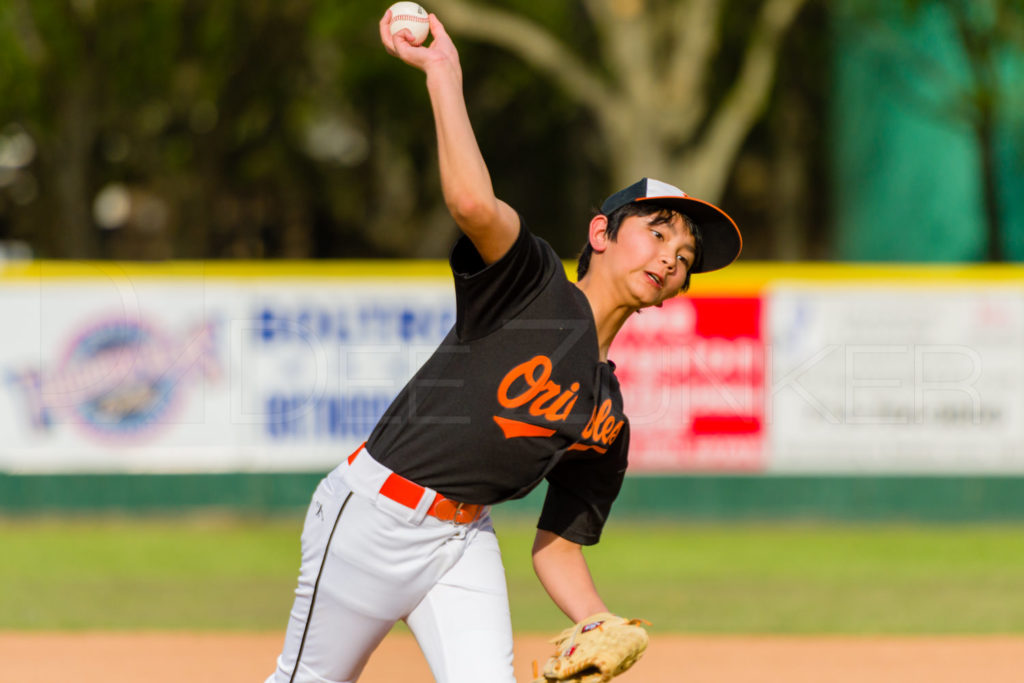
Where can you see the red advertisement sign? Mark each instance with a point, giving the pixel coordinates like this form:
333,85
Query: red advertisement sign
693,382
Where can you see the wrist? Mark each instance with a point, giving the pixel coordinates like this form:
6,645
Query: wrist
443,74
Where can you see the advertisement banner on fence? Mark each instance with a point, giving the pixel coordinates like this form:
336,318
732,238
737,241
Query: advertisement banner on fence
323,364
890,380
150,376
111,373
693,378
141,375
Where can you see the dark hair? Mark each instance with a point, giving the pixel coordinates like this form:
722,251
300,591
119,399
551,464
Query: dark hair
663,215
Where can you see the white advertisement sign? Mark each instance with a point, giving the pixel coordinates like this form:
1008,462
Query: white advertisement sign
181,375
111,373
889,380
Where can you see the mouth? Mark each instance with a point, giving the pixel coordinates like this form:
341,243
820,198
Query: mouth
655,279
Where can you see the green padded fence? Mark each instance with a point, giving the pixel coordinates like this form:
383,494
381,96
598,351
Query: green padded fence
692,498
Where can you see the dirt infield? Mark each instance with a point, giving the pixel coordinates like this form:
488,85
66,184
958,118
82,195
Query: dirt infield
230,658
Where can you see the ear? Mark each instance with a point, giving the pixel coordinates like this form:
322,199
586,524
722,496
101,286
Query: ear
598,233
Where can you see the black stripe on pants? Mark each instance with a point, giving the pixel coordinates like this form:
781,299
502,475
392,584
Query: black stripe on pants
316,587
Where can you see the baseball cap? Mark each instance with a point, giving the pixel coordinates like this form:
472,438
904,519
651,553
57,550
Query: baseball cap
721,241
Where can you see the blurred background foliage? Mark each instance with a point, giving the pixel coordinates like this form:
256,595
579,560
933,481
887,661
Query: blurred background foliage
281,129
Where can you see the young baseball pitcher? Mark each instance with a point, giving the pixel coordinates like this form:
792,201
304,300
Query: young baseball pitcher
520,391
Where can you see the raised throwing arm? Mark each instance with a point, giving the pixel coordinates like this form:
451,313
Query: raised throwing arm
490,223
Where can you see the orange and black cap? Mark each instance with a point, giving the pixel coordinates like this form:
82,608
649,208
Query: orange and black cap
720,237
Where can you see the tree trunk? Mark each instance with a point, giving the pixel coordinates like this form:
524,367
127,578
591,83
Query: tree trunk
75,235
649,104
789,182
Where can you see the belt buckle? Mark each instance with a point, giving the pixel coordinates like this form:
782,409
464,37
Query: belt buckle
456,512
448,511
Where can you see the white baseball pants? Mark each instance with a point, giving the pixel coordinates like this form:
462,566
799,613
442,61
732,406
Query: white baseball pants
368,561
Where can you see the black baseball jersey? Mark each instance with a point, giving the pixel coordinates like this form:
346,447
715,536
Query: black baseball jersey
515,393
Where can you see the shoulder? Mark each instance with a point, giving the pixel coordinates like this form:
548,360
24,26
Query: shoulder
492,228
527,250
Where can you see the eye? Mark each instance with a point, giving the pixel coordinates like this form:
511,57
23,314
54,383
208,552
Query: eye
657,234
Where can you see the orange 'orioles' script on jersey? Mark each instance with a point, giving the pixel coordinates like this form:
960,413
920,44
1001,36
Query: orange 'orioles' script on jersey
603,427
530,383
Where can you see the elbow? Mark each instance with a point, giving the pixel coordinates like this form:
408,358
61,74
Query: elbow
545,566
540,542
535,555
470,211
550,549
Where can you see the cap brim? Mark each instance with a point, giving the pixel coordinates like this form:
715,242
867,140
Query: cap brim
721,242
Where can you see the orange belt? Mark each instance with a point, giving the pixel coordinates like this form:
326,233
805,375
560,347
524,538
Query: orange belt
409,494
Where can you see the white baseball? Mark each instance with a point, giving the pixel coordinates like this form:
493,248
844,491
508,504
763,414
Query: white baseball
409,15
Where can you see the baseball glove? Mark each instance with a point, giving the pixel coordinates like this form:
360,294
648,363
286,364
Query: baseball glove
595,650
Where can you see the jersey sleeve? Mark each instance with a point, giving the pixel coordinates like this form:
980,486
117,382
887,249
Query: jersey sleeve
581,492
486,296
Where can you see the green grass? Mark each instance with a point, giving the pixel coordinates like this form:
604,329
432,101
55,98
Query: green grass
146,574
710,578
817,579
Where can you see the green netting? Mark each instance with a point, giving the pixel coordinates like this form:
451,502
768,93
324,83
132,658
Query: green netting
906,165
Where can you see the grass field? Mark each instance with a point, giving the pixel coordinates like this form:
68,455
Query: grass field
210,573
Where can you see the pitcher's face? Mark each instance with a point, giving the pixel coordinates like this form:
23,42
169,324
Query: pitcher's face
651,257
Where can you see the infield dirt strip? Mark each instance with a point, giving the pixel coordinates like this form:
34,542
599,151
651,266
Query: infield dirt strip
103,657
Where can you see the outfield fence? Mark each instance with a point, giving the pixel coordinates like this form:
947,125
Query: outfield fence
796,390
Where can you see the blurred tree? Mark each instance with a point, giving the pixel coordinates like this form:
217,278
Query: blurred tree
49,87
280,128
242,128
651,87
777,191
535,139
162,122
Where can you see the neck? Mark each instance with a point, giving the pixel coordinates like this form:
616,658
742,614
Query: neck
609,316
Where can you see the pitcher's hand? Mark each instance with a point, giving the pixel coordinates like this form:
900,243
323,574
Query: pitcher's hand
441,50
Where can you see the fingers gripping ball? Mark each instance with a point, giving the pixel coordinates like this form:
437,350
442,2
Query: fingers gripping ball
412,17
597,649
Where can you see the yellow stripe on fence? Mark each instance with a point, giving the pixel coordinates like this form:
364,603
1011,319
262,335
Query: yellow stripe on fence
740,278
